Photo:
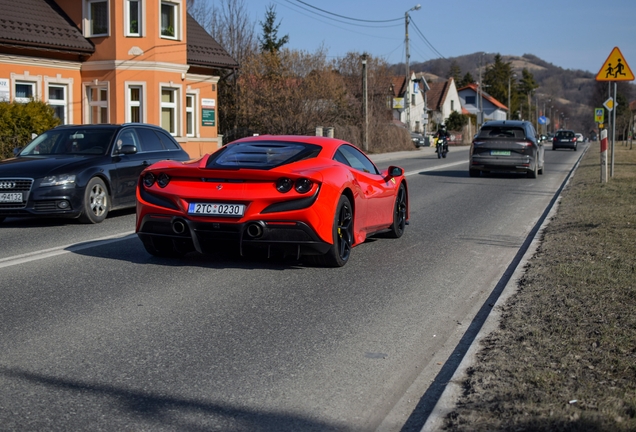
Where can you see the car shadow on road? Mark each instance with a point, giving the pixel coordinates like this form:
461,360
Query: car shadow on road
131,250
146,408
44,222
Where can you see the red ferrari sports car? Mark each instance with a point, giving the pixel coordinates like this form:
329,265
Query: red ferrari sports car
314,197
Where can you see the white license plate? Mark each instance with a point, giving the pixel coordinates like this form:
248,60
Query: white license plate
11,197
500,152
216,209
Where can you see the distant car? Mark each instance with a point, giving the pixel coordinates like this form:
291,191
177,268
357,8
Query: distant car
506,145
564,139
579,137
309,197
82,171
418,139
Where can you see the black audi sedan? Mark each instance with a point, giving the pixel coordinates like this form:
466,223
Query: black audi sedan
507,146
82,171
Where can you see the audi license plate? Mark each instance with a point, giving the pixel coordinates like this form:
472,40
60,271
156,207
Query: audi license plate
14,197
216,209
500,152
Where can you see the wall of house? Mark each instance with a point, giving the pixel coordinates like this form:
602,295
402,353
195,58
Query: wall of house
55,82
146,64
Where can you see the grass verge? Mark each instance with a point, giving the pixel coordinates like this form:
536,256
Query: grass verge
564,356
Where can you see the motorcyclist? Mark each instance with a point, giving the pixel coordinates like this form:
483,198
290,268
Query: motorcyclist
442,133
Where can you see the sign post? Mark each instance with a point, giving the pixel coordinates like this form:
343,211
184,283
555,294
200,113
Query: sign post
604,156
614,69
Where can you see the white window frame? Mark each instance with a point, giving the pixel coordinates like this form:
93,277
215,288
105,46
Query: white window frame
177,8
88,19
58,81
59,102
99,104
32,84
141,22
172,106
130,104
191,120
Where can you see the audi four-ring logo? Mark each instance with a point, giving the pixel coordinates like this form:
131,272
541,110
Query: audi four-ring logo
7,185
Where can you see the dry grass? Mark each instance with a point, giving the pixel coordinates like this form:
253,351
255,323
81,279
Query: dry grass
564,357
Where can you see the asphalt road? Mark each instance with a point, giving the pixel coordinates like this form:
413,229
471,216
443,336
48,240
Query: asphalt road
95,334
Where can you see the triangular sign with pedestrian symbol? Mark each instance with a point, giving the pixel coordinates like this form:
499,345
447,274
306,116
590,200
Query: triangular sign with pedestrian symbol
615,68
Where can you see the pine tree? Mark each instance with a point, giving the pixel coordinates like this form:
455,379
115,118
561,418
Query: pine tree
455,72
467,79
270,42
525,88
496,79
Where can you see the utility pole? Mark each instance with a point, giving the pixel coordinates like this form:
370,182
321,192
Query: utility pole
365,112
407,82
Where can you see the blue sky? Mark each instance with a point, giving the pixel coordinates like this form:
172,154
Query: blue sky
572,34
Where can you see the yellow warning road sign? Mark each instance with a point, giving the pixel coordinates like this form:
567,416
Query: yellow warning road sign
615,68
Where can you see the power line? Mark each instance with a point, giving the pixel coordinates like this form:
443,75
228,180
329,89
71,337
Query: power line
292,6
346,17
426,41
343,22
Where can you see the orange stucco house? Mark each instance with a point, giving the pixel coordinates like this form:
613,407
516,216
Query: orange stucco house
115,61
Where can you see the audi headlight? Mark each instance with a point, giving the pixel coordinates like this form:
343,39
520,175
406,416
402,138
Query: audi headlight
58,180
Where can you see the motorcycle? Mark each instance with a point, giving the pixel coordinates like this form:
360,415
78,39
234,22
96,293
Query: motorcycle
442,147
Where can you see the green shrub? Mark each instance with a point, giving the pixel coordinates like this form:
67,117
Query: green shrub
18,121
456,121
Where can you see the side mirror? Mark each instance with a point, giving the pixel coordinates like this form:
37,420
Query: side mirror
394,171
128,149
16,151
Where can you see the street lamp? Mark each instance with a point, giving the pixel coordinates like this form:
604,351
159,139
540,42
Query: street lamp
407,82
514,75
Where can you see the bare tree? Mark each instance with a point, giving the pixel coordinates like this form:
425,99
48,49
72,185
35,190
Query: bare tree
229,24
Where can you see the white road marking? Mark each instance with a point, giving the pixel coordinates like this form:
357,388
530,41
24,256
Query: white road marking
410,173
60,250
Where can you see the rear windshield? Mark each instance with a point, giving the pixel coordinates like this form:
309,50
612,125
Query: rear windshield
565,134
262,155
501,132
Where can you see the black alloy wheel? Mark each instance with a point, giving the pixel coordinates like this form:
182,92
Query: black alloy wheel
399,214
339,252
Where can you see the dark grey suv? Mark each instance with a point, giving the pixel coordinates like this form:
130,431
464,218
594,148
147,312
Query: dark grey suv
506,145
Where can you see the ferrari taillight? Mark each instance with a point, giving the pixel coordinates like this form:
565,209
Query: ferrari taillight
303,185
149,179
284,184
163,180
